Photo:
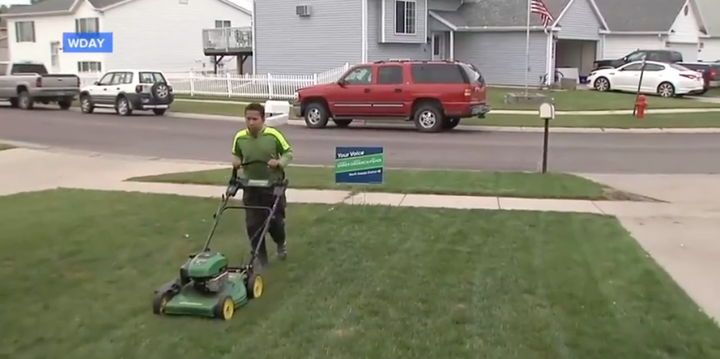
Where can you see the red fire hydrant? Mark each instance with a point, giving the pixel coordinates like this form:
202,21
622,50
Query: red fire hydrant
640,106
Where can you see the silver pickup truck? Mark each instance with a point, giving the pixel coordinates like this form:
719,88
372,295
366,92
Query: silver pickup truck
25,84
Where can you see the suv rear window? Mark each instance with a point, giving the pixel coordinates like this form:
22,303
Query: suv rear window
437,74
151,77
472,73
675,56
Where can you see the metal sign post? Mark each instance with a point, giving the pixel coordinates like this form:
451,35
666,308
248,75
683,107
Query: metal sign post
547,113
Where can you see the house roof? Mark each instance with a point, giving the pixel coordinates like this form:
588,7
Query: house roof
640,15
709,12
498,13
59,6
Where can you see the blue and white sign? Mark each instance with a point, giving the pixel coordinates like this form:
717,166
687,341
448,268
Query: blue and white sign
359,165
88,42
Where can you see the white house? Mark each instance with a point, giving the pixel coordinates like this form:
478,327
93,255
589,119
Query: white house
653,24
160,34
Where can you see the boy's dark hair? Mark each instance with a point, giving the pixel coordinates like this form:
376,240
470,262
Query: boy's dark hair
256,107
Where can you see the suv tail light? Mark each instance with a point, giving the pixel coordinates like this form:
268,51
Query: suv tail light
712,74
138,89
38,82
468,92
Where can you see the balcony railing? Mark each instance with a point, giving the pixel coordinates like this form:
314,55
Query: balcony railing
227,40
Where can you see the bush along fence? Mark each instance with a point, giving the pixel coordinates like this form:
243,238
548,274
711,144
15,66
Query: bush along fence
260,86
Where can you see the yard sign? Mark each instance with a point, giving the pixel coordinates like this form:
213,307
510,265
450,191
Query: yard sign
359,165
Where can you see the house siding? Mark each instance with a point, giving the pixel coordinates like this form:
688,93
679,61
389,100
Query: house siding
420,36
580,22
501,56
184,22
288,44
383,51
49,29
615,47
710,51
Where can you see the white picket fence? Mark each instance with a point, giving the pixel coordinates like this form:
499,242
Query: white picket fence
265,86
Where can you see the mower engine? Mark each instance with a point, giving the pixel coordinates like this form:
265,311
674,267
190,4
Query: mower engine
207,271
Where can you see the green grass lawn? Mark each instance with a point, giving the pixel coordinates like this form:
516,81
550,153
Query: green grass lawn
680,120
360,282
5,147
507,184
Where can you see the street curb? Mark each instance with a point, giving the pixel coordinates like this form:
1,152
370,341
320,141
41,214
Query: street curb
487,128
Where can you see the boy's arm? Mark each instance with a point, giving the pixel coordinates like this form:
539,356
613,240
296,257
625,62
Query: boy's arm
237,153
283,149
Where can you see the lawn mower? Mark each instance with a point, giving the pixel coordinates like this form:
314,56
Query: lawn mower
208,286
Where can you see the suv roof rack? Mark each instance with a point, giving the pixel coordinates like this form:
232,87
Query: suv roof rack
418,61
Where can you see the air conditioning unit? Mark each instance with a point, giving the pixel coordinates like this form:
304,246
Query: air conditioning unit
302,10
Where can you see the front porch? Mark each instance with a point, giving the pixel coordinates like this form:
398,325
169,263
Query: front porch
442,44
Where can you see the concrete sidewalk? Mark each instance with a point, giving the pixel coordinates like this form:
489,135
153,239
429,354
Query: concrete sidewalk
519,112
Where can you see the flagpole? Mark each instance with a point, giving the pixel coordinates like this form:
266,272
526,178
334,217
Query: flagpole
527,49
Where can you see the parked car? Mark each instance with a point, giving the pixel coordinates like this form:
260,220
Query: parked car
433,94
127,91
24,84
666,56
666,80
709,71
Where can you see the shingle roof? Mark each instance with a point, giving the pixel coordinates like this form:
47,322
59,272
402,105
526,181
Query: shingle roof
640,15
500,13
709,11
56,5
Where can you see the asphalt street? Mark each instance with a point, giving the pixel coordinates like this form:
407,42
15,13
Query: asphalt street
210,140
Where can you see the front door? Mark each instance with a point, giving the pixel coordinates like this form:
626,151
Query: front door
439,46
353,96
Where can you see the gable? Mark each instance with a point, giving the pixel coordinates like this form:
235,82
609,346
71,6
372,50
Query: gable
579,20
639,15
708,14
685,27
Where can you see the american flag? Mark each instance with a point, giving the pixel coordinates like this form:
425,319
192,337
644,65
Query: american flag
538,7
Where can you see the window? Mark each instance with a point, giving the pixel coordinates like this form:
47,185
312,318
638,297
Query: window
632,67
107,79
87,24
390,75
28,69
151,77
359,76
55,54
654,67
405,17
635,56
219,24
89,66
438,74
472,73
25,31
122,78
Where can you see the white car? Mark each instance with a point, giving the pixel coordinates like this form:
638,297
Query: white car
127,91
666,80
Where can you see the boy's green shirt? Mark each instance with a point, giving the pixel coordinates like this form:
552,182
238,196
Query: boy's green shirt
268,144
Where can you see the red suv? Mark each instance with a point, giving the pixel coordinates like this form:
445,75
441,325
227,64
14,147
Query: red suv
433,94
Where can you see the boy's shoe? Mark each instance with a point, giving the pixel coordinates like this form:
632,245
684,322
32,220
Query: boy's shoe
281,252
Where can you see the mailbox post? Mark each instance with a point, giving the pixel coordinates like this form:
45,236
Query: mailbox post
547,113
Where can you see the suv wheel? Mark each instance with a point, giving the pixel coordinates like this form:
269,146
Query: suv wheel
428,118
342,123
122,106
86,104
450,122
316,115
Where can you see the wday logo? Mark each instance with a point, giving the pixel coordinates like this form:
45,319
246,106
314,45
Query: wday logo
88,42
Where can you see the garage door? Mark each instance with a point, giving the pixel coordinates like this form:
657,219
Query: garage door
689,51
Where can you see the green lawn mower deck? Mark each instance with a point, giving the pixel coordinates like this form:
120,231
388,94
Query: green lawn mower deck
207,285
